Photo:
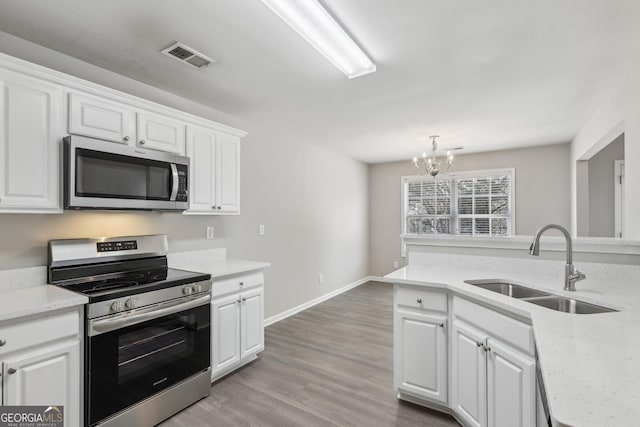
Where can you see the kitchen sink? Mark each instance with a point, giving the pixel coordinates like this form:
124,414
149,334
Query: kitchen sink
506,288
569,305
541,298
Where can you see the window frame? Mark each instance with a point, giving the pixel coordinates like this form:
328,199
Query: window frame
456,176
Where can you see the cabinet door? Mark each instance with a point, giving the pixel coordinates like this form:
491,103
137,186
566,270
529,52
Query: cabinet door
47,377
225,332
160,133
201,146
421,355
469,375
30,134
510,386
252,322
227,175
101,118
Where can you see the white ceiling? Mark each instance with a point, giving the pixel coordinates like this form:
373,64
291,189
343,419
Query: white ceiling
485,75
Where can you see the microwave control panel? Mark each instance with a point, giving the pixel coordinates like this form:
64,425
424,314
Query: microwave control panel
182,186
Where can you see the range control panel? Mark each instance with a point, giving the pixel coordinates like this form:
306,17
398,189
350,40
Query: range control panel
124,245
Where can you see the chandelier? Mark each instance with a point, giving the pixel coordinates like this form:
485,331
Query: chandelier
432,165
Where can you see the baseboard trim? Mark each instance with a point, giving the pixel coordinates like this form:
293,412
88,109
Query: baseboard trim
295,310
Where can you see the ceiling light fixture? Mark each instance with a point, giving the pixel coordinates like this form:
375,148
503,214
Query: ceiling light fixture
432,165
314,24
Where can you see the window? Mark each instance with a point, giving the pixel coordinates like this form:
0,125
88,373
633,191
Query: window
469,204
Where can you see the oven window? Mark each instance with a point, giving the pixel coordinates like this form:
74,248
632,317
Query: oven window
100,174
130,364
140,352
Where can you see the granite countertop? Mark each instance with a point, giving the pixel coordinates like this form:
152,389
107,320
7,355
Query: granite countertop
211,262
25,291
590,362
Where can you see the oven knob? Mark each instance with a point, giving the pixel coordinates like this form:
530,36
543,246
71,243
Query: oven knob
116,306
197,288
130,303
187,290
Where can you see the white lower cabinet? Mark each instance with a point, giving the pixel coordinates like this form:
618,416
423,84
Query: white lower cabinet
40,360
493,371
237,322
468,375
487,375
225,339
420,359
47,376
510,387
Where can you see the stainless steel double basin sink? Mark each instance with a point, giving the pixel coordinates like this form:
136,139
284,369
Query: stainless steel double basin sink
537,297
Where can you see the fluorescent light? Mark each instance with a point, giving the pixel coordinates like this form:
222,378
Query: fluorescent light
309,19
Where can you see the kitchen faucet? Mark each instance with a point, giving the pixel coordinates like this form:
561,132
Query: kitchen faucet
571,274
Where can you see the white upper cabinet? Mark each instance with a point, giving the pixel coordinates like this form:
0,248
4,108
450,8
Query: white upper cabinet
30,131
39,107
162,133
101,118
214,173
201,148
114,121
227,176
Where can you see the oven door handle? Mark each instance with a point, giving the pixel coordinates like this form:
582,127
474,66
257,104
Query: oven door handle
97,327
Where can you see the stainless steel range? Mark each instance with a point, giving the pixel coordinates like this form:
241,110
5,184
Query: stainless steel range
147,331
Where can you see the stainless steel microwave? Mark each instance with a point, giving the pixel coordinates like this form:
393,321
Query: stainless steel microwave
106,175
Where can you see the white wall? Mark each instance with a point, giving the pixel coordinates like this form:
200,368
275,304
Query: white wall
601,183
313,203
542,195
619,112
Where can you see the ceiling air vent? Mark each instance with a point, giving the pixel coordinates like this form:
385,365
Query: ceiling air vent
188,56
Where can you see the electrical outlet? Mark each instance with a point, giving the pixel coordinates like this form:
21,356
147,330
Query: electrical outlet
395,264
261,230
210,232
320,279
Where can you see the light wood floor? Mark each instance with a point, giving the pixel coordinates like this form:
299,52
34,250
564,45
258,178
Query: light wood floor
330,365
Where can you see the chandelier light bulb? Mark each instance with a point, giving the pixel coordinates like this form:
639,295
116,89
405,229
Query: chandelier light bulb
431,164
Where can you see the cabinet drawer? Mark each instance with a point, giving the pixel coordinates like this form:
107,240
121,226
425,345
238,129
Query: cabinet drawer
236,283
18,335
416,297
496,325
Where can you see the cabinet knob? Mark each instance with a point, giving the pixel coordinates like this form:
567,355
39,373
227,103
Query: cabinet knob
219,207
238,301
126,138
241,283
2,342
11,371
487,348
244,299
419,300
441,325
142,142
479,343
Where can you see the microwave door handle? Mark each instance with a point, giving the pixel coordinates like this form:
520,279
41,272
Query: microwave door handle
175,180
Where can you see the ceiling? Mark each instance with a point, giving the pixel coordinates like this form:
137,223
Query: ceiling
484,75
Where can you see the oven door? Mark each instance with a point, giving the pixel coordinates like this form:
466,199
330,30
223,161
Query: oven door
127,363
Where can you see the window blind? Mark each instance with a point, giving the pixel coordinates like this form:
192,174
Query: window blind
472,204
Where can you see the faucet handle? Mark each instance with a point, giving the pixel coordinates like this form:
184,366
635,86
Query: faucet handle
577,275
